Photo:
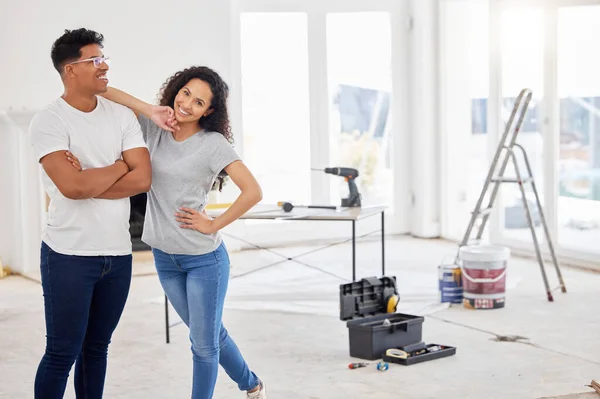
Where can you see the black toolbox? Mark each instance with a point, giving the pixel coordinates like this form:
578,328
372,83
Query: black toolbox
363,304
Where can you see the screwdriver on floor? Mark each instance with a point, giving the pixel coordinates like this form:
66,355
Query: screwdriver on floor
352,366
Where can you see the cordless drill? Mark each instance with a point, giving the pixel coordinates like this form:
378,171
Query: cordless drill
349,174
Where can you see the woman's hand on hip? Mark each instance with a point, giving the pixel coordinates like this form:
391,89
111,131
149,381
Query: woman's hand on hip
192,219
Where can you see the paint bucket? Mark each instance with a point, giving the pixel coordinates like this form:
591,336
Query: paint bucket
484,276
450,282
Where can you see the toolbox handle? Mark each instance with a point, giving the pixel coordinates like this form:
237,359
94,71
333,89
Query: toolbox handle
400,325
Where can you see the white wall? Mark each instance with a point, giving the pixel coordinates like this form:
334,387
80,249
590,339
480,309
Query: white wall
25,202
148,40
9,192
455,116
424,133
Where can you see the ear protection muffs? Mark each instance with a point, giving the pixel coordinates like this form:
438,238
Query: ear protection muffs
391,297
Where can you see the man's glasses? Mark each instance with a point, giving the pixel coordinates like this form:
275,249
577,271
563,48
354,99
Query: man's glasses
98,61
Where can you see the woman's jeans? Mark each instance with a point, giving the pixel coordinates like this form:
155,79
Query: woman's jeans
196,286
84,297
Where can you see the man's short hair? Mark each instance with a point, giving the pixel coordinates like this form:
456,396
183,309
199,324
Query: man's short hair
67,48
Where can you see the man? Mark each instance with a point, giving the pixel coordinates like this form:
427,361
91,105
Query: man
86,254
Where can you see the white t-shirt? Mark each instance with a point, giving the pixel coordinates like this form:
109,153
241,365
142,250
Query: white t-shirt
88,227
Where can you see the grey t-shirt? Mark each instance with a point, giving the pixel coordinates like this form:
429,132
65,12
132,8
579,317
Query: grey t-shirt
182,175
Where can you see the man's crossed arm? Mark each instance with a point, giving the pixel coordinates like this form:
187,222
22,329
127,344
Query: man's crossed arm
125,178
137,180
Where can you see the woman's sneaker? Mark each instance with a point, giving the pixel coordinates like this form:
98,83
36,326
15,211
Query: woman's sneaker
260,394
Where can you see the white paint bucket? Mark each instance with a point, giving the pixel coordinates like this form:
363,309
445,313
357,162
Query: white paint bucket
484,275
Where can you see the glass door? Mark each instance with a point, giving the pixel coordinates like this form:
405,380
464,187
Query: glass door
317,82
578,171
275,104
464,94
549,47
360,87
522,44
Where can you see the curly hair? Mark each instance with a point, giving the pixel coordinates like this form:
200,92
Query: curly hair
67,48
218,120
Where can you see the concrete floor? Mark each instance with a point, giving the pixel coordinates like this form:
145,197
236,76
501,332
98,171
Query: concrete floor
285,320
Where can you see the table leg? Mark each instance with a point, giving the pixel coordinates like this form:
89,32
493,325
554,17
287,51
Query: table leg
353,250
382,243
167,318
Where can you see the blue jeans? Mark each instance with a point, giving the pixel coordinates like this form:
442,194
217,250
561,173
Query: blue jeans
196,286
84,297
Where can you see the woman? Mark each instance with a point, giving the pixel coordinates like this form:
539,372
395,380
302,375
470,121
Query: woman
188,136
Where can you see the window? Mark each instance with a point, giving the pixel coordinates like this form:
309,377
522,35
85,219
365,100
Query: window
579,143
523,67
359,75
275,105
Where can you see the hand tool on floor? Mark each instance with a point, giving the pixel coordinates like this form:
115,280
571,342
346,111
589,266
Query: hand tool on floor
382,366
288,206
349,174
353,366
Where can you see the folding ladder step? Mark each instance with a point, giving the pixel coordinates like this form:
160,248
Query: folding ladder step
512,179
483,211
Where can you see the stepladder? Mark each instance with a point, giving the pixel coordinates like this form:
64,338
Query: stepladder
506,153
